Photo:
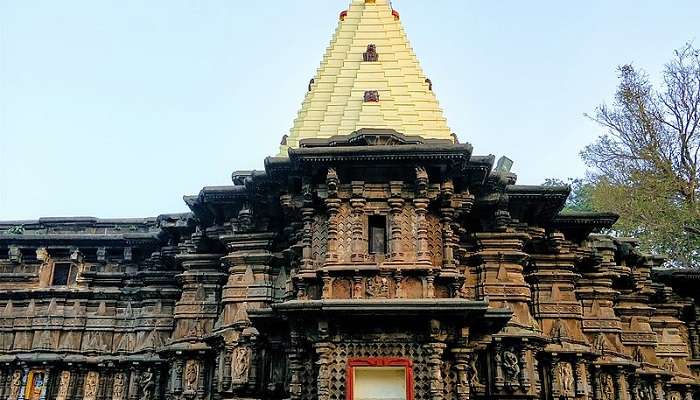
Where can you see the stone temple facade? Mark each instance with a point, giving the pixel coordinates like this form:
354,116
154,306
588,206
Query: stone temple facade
374,258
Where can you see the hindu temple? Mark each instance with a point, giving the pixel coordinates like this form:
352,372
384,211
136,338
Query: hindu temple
374,257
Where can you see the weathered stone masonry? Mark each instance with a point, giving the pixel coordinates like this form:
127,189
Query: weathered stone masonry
375,239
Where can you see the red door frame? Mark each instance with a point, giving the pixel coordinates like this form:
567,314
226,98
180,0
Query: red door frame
378,362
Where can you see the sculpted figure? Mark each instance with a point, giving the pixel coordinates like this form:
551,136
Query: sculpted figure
191,375
607,387
566,379
118,387
511,368
474,372
63,385
16,384
241,362
148,384
91,385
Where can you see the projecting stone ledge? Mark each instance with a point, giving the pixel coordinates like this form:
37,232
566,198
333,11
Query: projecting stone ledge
428,308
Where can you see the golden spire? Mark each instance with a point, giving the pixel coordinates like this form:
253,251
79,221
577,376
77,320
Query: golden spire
368,78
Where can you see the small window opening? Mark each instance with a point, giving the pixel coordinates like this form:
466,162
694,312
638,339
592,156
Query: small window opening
377,234
61,274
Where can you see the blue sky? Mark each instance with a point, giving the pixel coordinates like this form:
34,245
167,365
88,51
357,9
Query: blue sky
118,108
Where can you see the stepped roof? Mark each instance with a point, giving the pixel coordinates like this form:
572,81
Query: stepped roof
368,78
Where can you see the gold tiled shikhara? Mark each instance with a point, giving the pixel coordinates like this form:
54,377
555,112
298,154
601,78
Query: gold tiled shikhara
335,103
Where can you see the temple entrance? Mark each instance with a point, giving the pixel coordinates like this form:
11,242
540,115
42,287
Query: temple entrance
375,379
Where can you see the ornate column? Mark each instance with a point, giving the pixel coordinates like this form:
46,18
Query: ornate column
524,371
396,203
201,380
421,203
499,381
358,202
581,378
435,364
323,349
307,217
332,205
134,384
177,375
295,366
226,378
622,393
461,356
447,212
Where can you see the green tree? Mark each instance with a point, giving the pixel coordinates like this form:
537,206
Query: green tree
646,166
580,196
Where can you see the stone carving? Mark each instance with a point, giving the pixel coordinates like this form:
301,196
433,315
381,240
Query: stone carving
674,395
91,384
670,365
241,363
511,369
371,96
644,391
607,387
565,378
371,54
118,386
191,375
15,384
148,384
63,385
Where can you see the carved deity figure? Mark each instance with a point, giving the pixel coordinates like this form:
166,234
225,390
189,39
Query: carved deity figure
644,392
63,385
474,372
16,384
118,387
383,287
191,375
607,387
91,382
565,375
37,386
511,368
148,384
241,361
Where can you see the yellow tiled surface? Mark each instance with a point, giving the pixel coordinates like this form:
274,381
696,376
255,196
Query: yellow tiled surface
335,105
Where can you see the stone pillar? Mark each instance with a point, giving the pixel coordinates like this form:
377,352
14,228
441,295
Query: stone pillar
524,370
499,381
323,349
357,202
226,378
201,380
333,206
177,375
396,203
134,384
581,378
307,215
461,365
435,366
622,393
447,212
422,253
295,366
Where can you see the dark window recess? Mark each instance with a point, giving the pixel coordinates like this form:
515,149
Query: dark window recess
377,234
61,273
